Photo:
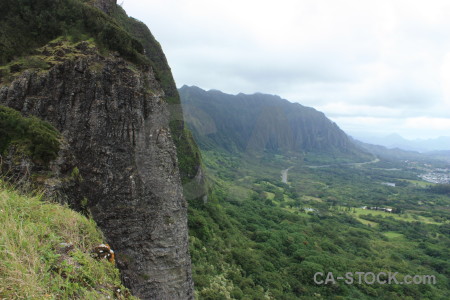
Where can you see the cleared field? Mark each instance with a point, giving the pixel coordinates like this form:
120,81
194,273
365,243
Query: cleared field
367,222
270,195
419,183
393,235
310,198
407,217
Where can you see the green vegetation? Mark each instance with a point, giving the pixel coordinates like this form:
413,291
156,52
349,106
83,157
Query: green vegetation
443,189
189,158
45,252
29,136
265,124
255,237
55,52
258,238
27,25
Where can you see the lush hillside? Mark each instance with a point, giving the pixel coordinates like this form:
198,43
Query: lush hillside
27,25
259,238
46,252
262,123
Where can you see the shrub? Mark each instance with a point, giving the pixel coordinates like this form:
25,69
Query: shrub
31,136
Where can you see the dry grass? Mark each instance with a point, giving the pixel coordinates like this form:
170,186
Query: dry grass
31,263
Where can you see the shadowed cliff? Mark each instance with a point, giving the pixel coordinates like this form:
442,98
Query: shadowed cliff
102,81
256,123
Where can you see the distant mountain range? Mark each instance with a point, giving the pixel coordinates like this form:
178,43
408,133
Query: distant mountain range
396,141
261,122
441,156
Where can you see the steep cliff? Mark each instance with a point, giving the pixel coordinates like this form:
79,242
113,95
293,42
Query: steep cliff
260,122
108,101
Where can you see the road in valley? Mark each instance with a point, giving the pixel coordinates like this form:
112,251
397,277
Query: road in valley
284,175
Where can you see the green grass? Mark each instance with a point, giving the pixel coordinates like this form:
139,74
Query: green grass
419,183
367,222
53,53
407,217
28,136
27,25
297,212
310,198
391,235
32,266
270,195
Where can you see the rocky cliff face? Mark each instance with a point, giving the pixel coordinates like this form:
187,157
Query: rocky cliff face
260,122
116,127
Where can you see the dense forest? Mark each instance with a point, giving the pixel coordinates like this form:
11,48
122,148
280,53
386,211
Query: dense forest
259,238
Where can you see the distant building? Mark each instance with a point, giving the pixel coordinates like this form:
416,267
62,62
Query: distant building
309,209
389,210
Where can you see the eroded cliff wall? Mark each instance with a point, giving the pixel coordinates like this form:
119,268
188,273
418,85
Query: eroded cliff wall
115,122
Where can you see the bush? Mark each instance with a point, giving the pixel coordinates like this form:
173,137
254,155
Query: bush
27,25
31,136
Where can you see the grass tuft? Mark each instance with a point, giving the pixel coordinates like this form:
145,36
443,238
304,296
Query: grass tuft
32,262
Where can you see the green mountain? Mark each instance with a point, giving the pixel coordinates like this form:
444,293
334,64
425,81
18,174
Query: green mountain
90,114
260,235
257,237
260,122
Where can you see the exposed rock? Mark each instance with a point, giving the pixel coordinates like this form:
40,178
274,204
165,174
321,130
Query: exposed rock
116,126
105,5
260,122
65,248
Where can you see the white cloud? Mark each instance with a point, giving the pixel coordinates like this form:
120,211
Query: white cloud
353,59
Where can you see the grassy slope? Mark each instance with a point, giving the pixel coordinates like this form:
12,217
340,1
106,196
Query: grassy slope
31,264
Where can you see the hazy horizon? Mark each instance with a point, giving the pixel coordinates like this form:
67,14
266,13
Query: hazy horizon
374,67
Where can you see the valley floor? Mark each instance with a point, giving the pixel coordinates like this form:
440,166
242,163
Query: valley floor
260,237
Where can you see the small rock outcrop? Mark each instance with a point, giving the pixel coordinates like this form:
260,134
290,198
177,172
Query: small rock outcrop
106,6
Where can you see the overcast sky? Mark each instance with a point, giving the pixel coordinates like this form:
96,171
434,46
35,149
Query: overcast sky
374,67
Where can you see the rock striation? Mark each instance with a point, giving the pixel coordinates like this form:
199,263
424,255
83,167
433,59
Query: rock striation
115,123
260,122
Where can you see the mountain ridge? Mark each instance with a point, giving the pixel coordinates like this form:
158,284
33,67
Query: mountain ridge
395,140
261,122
